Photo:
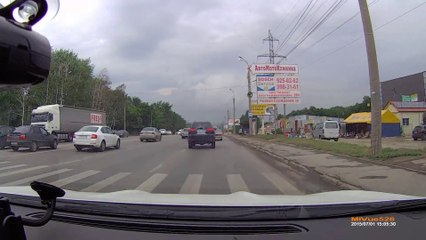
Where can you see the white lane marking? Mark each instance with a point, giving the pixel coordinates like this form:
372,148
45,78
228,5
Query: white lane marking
12,167
152,182
281,184
4,162
29,179
20,153
73,178
22,170
69,162
236,183
156,168
106,182
192,184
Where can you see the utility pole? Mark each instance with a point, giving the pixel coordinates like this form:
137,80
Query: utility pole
252,130
233,110
124,116
373,67
271,55
228,117
24,93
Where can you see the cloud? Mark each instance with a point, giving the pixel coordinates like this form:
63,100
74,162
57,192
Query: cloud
166,91
185,52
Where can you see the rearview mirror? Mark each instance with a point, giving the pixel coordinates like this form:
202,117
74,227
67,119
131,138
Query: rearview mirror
24,54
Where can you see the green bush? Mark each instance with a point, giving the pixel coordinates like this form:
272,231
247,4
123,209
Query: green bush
279,131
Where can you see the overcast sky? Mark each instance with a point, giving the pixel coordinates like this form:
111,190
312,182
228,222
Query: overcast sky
186,52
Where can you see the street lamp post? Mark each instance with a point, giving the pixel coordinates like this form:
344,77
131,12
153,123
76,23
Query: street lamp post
249,94
124,112
233,110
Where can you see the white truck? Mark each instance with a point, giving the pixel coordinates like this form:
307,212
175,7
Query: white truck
64,121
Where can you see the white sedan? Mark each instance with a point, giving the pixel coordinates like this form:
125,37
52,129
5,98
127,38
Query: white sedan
95,137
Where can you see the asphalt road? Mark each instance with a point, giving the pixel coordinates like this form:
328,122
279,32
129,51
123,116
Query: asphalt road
158,167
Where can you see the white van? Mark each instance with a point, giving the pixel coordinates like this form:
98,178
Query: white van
327,130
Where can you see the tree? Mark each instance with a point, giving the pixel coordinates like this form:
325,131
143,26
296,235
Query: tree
71,82
337,111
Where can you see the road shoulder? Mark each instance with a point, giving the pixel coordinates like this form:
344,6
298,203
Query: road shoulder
347,172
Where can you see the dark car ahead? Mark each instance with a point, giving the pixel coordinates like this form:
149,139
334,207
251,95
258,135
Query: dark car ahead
32,137
122,133
4,131
419,132
201,133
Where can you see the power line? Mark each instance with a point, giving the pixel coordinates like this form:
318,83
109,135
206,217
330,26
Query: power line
334,8
311,20
337,28
271,55
398,17
355,40
296,25
344,46
282,21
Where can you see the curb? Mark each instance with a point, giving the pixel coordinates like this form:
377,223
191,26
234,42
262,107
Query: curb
301,168
368,160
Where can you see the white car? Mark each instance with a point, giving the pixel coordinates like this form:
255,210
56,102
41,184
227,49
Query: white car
95,137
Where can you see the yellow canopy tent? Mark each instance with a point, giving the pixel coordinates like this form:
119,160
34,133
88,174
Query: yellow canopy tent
390,123
365,117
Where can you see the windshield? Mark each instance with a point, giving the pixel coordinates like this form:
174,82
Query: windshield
286,83
22,129
39,117
88,129
204,125
331,125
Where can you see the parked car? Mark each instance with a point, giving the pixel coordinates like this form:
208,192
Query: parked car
218,134
4,131
122,133
179,132
95,137
168,132
163,131
32,137
150,134
201,133
184,133
419,132
327,130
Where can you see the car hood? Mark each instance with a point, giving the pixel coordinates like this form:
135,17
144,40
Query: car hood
234,199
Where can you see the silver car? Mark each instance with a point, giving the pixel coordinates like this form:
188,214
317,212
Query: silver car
150,134
184,133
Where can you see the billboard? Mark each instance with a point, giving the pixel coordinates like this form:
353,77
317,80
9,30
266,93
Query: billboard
262,109
274,68
231,122
277,84
279,100
409,98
